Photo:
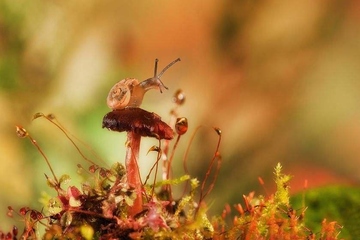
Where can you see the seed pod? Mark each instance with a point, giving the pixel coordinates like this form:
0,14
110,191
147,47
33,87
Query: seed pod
181,125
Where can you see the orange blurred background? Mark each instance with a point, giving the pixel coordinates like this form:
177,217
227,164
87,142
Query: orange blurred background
281,80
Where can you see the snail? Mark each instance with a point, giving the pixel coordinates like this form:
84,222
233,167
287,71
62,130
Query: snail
129,92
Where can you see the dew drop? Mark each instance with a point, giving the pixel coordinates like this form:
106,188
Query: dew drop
21,132
179,97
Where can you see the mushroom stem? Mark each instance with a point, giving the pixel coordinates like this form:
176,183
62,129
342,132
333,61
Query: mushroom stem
132,170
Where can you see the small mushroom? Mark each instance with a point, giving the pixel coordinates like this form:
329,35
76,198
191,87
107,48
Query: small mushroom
124,99
137,123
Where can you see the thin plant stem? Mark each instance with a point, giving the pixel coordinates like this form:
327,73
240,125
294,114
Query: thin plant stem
155,165
172,156
67,136
165,152
216,156
186,155
168,186
33,141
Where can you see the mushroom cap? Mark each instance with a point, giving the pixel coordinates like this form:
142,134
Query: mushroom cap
139,121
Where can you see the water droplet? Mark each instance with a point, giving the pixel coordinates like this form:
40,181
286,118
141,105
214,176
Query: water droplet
179,97
21,132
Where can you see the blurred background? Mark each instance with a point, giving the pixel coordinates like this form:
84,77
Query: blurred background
281,80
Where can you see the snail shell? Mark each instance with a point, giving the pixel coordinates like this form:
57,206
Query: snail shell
120,94
130,93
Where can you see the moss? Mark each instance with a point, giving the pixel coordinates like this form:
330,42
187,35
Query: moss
99,208
332,202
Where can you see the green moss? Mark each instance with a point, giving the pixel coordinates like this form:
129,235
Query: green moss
340,203
99,209
271,217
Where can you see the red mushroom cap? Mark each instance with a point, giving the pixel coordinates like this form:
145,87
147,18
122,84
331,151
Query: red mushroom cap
137,120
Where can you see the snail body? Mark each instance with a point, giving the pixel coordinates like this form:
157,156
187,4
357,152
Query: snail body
129,92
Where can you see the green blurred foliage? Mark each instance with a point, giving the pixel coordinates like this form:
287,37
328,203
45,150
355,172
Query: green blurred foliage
333,203
279,79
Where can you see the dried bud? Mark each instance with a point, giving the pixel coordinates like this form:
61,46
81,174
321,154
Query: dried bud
181,125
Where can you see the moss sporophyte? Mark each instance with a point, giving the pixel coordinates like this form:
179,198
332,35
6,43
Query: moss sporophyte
114,203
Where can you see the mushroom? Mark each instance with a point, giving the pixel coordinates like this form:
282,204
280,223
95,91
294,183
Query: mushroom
138,121
127,116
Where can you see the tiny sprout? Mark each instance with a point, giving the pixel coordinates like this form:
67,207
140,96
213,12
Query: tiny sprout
181,125
21,132
179,97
